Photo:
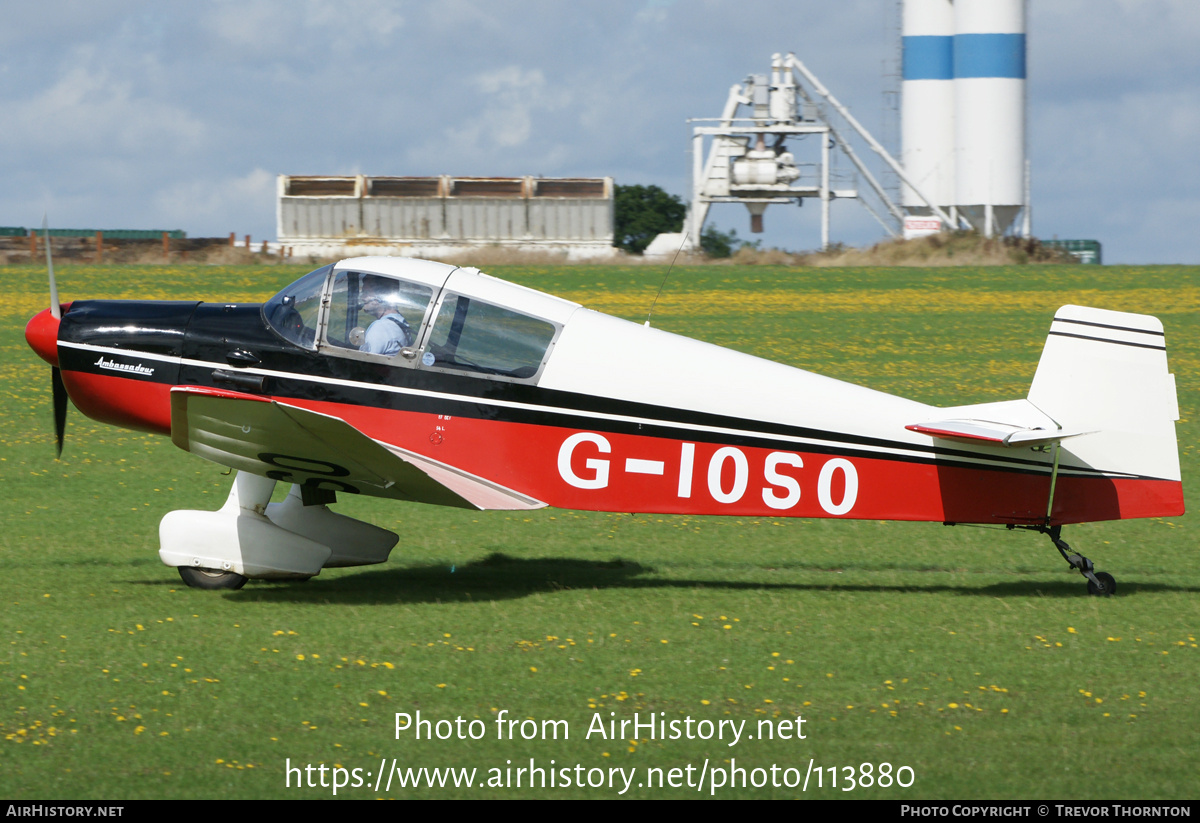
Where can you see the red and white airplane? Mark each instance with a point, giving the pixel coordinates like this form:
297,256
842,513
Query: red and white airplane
479,393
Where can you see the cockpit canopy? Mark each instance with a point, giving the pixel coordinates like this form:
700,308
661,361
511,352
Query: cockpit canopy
422,315
293,312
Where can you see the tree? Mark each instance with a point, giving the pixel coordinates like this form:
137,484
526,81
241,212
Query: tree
717,243
642,213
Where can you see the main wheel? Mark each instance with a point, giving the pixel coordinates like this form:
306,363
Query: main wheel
199,578
1107,580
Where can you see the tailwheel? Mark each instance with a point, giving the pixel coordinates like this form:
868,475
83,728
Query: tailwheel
1105,585
1098,583
199,578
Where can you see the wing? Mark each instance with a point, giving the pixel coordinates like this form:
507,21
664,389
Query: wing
266,437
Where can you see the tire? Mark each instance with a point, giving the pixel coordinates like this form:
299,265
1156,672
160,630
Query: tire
1110,584
199,578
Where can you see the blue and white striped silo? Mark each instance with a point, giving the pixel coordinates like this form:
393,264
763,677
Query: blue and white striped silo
927,102
989,111
963,108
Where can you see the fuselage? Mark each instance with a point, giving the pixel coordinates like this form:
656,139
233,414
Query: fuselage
586,411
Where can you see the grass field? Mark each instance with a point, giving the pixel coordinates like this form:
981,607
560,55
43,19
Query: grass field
972,657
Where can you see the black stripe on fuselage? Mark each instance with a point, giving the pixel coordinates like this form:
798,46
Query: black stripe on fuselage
480,398
477,398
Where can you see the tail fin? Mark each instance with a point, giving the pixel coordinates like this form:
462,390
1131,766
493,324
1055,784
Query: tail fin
1106,372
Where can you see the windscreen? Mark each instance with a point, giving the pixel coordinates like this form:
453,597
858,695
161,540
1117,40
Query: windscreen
293,312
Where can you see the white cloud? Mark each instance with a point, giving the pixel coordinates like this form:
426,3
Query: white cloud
500,115
513,96
88,110
236,201
461,16
280,28
654,12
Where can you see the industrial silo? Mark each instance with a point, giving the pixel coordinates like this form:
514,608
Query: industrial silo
989,111
927,103
963,109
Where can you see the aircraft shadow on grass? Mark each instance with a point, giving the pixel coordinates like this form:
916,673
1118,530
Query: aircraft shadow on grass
500,577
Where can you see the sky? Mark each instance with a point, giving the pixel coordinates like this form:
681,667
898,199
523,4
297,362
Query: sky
171,114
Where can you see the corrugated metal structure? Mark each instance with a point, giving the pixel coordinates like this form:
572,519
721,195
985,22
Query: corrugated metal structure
436,215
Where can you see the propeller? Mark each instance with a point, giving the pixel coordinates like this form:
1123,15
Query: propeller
60,408
42,335
55,309
57,387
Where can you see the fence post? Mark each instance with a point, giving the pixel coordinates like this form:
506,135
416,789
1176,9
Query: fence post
233,238
247,242
99,247
166,241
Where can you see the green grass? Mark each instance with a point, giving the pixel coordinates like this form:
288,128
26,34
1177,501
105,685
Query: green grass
971,656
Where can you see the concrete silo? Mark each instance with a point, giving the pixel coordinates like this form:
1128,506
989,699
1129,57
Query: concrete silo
927,103
976,50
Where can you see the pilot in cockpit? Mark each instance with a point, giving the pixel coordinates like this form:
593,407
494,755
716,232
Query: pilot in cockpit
390,332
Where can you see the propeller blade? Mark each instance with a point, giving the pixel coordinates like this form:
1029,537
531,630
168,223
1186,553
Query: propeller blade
55,310
60,408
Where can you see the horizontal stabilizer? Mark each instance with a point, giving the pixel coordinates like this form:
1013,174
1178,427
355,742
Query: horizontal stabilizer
987,432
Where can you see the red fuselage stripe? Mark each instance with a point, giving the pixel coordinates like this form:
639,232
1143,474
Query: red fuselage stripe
606,471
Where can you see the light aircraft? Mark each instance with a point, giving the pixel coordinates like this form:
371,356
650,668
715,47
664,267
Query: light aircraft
496,396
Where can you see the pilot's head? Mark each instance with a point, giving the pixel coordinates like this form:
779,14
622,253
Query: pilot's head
379,295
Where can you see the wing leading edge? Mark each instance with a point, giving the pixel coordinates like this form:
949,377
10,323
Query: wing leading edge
284,442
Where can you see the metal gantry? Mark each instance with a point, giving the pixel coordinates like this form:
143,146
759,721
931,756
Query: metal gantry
747,159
